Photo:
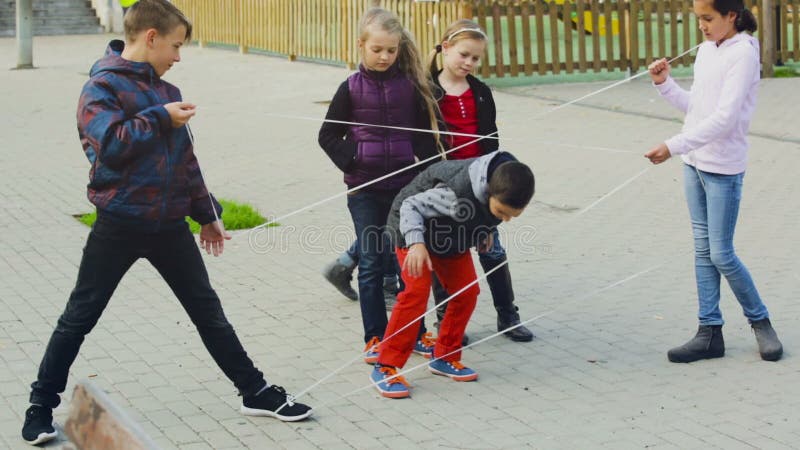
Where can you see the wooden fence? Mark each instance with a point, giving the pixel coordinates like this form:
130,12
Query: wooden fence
525,36
528,37
311,29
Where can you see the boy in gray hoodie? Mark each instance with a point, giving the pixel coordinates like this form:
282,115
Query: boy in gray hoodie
434,221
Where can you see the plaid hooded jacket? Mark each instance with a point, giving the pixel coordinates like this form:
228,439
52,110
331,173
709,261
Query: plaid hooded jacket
143,171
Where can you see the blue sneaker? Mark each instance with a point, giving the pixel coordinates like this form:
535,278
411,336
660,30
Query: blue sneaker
425,344
396,387
371,351
452,369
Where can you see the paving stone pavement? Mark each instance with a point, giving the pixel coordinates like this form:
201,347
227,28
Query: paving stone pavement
597,374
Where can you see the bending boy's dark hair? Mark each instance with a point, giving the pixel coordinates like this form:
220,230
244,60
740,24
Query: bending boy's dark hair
512,184
159,14
745,21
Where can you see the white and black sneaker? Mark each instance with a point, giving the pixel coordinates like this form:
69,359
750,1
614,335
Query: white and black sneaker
275,402
38,427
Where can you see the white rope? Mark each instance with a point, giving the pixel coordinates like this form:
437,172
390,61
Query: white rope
581,298
410,323
425,130
631,78
369,183
478,279
203,178
375,125
627,182
610,193
478,138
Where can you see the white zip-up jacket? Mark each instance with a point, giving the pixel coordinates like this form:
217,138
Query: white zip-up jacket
718,107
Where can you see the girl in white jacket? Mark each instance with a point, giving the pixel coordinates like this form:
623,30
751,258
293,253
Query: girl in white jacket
713,146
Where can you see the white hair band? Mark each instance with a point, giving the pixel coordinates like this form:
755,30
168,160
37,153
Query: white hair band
476,30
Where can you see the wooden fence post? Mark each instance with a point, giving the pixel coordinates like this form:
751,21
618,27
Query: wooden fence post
466,10
630,25
241,31
293,33
768,35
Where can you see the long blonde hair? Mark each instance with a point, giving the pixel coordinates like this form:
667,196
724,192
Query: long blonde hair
409,60
457,31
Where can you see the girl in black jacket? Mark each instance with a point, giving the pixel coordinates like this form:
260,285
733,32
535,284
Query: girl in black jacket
467,107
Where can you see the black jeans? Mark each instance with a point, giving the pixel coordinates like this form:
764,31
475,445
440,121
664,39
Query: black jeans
110,251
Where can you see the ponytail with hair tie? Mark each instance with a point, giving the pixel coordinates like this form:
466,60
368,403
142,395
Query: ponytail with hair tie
745,20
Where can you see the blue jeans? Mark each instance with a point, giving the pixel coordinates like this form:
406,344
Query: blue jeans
714,207
496,253
369,211
390,267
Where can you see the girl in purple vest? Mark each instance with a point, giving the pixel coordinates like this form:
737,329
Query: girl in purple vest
390,88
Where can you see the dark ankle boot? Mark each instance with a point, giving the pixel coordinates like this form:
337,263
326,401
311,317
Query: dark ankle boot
507,319
503,296
769,346
340,276
706,344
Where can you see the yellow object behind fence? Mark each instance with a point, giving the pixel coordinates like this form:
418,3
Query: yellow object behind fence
587,21
601,23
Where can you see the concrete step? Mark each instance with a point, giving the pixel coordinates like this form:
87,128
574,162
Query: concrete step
39,22
50,13
52,17
40,4
7,7
57,31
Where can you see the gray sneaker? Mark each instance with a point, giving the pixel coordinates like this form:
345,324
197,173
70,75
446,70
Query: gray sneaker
340,277
390,298
390,291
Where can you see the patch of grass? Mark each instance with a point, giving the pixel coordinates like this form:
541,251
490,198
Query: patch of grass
786,72
87,219
236,216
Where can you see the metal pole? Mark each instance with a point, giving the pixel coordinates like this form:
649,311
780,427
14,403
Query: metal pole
110,16
24,34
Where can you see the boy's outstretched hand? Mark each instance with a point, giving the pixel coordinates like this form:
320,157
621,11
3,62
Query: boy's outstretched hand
659,70
213,237
658,154
417,259
180,112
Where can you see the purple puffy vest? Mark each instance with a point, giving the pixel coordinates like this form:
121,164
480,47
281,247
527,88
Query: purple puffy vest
382,98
